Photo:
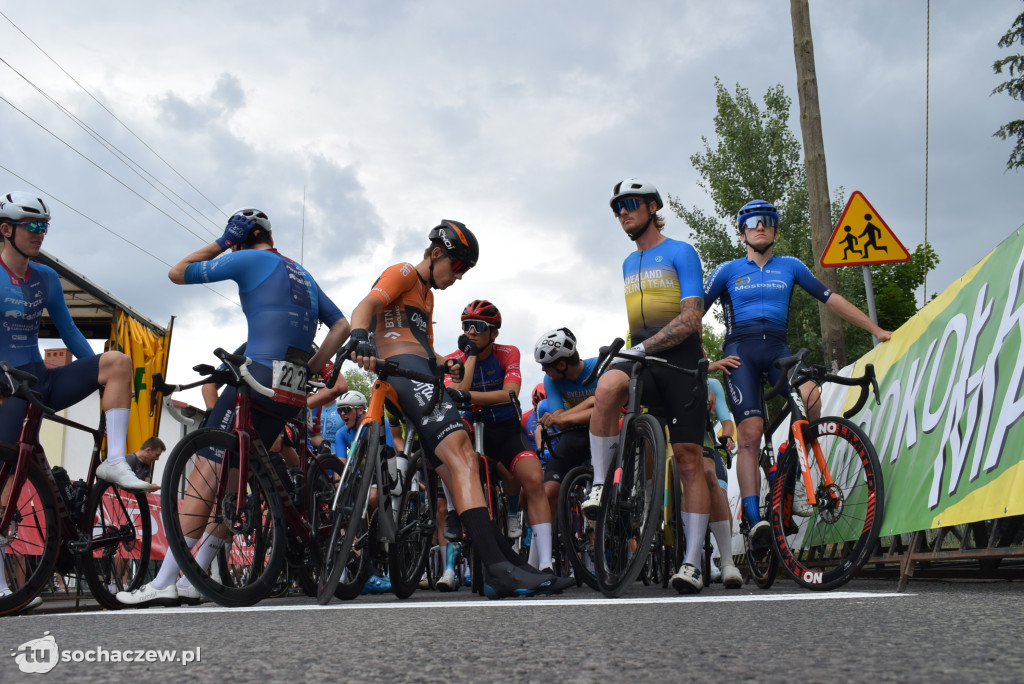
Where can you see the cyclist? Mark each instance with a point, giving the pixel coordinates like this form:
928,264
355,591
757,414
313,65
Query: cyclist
28,289
664,303
755,292
491,373
569,402
282,304
399,309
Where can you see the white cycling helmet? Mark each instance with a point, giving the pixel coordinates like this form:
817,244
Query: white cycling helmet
256,215
23,206
634,187
554,345
352,398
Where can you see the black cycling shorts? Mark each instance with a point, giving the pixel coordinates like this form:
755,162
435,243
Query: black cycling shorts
60,388
573,449
505,442
414,397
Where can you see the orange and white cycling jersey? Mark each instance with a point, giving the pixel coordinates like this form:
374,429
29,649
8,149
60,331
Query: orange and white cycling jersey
404,325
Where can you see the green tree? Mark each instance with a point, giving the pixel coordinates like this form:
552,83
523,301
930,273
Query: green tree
757,155
1014,87
360,381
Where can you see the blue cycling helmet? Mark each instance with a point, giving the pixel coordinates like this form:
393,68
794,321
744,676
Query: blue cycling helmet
757,208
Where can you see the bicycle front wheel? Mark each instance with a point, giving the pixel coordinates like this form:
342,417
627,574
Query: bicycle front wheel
407,557
33,535
320,485
117,522
191,507
349,517
630,506
575,531
823,545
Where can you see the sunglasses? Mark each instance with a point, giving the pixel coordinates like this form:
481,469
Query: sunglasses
629,204
345,410
753,221
458,267
475,325
37,227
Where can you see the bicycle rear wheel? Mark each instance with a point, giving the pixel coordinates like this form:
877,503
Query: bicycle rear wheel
33,536
117,523
673,534
763,564
407,557
824,545
630,506
320,486
256,534
575,531
349,517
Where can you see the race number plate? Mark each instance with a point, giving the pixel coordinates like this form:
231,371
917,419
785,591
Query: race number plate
289,383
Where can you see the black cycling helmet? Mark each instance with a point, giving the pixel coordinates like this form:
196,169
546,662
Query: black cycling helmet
456,241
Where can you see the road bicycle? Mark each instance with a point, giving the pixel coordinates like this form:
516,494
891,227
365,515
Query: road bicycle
89,526
267,516
357,529
824,494
633,496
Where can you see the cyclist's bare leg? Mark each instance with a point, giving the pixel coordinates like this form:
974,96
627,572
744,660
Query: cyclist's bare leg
696,498
748,443
460,470
811,394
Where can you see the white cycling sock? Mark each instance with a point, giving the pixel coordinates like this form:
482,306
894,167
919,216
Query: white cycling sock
601,451
722,535
448,496
542,542
696,525
117,433
168,572
208,550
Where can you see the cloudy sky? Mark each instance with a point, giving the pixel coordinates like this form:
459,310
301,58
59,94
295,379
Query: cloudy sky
357,126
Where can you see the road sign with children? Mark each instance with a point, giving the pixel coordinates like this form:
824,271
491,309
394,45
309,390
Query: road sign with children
861,237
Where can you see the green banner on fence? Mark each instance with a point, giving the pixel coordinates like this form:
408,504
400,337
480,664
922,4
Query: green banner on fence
948,432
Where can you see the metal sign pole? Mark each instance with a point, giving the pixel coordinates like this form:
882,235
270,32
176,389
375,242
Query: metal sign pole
869,290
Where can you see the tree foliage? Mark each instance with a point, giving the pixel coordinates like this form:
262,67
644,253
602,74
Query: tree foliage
360,381
757,156
1014,87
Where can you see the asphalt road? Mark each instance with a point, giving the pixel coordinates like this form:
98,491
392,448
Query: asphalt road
944,631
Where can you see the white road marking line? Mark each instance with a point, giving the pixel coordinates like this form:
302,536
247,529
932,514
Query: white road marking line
534,602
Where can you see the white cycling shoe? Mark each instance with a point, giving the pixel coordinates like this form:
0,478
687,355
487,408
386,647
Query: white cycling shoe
121,474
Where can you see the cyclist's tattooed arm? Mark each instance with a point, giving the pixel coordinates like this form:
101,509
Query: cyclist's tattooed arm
687,323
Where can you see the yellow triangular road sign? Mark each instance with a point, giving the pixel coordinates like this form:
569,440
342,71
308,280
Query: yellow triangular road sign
861,237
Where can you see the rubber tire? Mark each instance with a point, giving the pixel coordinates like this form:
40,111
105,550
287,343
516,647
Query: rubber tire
127,522
571,495
408,555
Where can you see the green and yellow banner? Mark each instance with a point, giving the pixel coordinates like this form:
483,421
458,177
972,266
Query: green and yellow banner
148,352
949,432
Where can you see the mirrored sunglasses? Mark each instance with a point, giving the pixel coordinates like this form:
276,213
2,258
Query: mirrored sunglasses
628,203
475,325
752,221
37,227
344,410
458,267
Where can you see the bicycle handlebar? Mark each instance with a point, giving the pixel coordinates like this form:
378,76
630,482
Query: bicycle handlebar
462,402
820,375
613,351
18,383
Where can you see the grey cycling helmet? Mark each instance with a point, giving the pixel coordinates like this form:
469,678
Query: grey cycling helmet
555,345
352,398
23,206
634,187
255,215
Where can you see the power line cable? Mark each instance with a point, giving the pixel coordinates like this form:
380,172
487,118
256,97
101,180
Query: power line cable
104,107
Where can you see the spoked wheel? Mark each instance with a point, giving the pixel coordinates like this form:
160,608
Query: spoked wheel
33,536
763,564
674,536
117,525
255,530
630,506
320,485
824,545
349,522
407,557
575,531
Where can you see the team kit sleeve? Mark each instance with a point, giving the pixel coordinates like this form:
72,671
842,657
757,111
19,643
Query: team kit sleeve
806,279
394,281
328,312
689,271
61,317
512,371
554,399
721,407
714,286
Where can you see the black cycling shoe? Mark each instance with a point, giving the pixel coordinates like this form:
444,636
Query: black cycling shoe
507,579
452,526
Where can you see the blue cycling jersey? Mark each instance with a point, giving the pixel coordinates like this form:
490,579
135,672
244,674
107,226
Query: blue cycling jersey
23,304
565,393
656,281
721,407
344,437
280,299
756,299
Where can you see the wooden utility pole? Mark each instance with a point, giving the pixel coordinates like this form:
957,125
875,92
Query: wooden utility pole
833,342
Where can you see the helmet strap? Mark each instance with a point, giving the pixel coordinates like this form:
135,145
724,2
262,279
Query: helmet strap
433,283
640,233
14,243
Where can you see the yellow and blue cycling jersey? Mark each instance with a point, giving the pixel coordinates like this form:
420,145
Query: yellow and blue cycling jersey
656,281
